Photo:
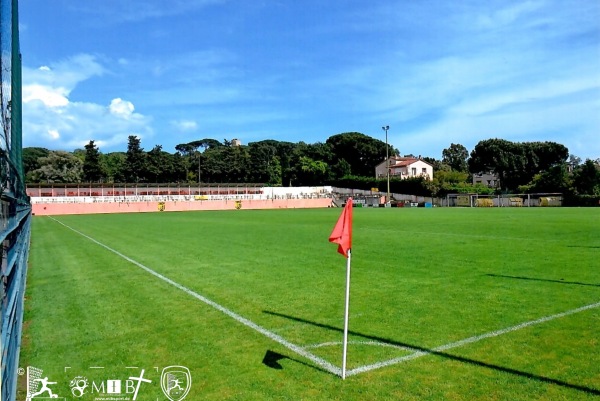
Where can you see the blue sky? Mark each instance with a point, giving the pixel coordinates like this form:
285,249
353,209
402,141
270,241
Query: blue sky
437,72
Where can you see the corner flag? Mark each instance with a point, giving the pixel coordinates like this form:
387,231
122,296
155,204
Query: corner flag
342,232
342,235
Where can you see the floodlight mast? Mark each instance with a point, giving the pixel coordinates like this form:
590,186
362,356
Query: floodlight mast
387,162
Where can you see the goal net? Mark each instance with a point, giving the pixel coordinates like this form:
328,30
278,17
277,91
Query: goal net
505,200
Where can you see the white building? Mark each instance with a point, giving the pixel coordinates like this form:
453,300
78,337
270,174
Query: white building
404,167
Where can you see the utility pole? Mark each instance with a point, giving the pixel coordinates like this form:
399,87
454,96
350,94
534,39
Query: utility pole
387,162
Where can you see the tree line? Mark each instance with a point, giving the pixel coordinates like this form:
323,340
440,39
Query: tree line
208,161
346,160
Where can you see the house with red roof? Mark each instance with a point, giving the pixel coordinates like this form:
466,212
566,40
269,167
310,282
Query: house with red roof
404,167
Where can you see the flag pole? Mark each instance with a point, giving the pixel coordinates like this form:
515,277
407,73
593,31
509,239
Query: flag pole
346,314
342,235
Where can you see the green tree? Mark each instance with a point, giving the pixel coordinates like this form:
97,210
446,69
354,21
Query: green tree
574,161
515,163
92,167
226,164
178,173
555,179
237,162
586,179
186,150
214,165
135,167
360,151
264,163
456,157
206,143
31,162
312,163
113,164
285,150
341,169
314,172
193,157
274,172
157,165
59,167
79,153
450,176
170,171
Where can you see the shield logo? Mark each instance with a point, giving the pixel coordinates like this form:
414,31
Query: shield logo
176,382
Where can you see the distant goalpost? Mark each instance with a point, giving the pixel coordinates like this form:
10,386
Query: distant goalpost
505,200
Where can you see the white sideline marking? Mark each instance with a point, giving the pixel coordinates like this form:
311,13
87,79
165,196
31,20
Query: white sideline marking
469,340
319,361
293,347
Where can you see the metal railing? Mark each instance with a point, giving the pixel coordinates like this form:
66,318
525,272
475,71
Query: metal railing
15,209
15,236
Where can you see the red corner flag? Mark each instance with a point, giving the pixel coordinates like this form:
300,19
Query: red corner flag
342,232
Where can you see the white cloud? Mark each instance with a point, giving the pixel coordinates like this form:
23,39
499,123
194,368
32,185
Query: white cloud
67,73
53,119
51,97
185,125
121,108
54,134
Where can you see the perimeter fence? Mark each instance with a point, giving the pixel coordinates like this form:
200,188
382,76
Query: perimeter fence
15,208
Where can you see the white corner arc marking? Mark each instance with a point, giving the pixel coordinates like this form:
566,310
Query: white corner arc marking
470,340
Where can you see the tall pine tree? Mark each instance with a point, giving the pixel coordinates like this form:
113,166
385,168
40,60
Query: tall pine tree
92,168
135,161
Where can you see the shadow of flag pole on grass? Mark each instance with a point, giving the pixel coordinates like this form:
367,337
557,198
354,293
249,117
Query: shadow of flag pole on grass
446,355
561,281
272,359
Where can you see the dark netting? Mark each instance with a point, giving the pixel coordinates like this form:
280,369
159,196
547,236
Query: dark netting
15,210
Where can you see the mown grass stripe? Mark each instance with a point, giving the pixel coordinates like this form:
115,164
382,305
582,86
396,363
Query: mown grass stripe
246,322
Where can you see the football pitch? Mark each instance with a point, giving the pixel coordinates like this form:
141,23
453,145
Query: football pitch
446,303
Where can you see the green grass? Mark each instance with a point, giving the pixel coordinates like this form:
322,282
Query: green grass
420,277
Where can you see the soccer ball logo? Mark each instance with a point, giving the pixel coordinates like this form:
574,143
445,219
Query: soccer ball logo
176,382
78,386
